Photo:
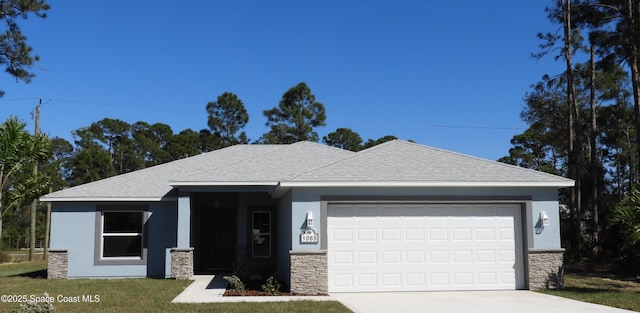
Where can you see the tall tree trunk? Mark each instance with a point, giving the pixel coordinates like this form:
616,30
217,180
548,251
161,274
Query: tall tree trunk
573,164
594,155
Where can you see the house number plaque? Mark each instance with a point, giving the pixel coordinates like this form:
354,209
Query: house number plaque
309,236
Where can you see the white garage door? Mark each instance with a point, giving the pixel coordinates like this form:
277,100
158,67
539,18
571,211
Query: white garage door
423,247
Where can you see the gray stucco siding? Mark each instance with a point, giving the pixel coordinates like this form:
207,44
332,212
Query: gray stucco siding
74,229
161,237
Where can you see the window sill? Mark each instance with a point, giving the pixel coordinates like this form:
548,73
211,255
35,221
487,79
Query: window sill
120,261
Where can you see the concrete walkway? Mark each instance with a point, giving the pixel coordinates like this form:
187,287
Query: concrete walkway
210,289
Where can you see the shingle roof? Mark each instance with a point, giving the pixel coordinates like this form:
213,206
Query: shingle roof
232,164
394,163
408,163
267,168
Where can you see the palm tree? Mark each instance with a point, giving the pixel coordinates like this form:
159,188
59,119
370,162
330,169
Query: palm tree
626,218
19,151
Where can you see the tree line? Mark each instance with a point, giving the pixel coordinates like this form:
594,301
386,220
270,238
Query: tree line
583,124
111,147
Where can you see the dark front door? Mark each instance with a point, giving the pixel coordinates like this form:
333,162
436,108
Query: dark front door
216,242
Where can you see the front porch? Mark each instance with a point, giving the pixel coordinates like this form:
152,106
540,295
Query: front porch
227,232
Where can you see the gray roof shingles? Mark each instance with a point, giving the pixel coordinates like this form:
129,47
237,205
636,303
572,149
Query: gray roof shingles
272,167
402,161
304,162
236,163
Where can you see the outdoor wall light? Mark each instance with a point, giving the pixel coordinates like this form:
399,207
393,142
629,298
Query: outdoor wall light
544,218
309,219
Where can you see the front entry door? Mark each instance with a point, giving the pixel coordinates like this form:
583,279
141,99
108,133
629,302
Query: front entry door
215,247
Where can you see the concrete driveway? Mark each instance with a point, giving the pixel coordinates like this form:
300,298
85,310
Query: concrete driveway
520,301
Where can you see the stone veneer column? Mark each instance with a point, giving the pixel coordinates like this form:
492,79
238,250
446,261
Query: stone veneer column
309,272
546,268
58,264
181,263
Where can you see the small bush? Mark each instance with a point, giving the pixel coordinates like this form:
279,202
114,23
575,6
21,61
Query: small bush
34,307
236,284
272,286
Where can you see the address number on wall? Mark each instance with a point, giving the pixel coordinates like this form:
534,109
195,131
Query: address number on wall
309,236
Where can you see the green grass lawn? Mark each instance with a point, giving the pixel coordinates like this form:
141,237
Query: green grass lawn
155,295
129,295
616,293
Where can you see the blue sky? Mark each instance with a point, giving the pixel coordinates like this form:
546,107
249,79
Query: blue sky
448,74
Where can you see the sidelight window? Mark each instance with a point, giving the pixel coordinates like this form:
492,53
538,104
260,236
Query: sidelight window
261,234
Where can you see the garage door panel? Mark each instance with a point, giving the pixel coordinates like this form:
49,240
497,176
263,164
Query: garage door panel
441,234
506,233
417,279
462,279
487,279
415,257
393,280
367,257
367,234
439,256
415,234
486,256
390,234
343,281
462,257
420,247
342,235
507,278
488,234
461,234
439,280
392,257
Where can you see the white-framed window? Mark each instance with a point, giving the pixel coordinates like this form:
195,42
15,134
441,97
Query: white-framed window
122,235
261,234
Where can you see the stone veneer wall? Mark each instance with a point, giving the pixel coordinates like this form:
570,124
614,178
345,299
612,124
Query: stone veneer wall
58,264
181,263
546,269
309,272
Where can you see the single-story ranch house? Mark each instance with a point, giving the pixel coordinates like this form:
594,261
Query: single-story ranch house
395,217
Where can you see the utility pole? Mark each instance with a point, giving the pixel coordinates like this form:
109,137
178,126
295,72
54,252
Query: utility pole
32,242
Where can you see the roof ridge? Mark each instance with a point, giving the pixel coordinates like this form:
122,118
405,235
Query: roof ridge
381,145
322,145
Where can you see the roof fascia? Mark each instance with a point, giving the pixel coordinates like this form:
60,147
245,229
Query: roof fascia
559,184
220,183
103,199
